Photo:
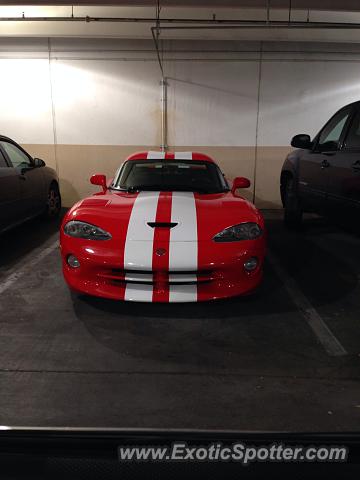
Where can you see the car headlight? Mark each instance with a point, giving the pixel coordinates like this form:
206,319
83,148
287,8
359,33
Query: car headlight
78,229
243,231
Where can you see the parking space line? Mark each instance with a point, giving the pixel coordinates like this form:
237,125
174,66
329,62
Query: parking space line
311,315
26,265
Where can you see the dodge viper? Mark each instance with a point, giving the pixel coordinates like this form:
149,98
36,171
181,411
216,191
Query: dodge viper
166,228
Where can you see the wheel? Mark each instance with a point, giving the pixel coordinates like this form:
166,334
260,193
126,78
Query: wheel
53,205
293,214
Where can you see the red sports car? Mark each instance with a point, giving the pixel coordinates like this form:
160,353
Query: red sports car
167,228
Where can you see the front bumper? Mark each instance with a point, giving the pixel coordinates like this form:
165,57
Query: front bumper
220,273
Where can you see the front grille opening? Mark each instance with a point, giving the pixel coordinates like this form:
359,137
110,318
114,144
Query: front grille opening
118,276
170,272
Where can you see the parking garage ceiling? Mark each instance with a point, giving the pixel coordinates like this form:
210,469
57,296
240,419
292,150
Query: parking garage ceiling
333,5
245,20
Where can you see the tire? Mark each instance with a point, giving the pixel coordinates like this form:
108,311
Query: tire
53,205
293,213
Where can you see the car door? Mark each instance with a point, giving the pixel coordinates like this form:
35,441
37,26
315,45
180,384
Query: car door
10,201
29,177
314,164
344,172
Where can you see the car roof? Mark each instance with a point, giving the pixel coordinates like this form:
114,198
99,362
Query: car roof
352,104
3,137
158,155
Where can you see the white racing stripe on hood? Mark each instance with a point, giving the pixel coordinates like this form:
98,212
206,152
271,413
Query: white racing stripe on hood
183,248
138,253
140,237
183,212
183,156
183,254
156,155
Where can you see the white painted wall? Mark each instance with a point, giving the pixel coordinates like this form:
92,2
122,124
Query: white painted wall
213,103
25,107
230,95
108,92
300,96
106,102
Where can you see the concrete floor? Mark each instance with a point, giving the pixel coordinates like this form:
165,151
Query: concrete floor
254,363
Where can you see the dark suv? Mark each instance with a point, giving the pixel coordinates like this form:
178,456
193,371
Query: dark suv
27,187
324,175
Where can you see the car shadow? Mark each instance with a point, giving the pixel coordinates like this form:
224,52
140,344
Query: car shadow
251,329
256,303
323,278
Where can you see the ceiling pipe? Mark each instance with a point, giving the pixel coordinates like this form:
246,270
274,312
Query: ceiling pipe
119,19
156,31
264,25
189,23
164,130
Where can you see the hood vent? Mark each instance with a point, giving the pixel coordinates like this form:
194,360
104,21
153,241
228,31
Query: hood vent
162,224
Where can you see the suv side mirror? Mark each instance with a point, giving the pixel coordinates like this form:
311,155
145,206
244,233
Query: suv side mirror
240,182
39,163
100,180
301,141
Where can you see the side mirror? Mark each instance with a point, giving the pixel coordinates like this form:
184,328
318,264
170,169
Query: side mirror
39,163
301,141
240,182
99,180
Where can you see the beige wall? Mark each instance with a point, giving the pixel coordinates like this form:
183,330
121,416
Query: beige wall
76,163
268,167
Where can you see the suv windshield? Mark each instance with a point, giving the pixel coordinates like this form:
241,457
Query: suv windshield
171,175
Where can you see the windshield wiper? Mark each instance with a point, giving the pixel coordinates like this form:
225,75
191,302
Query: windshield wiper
162,188
132,189
138,188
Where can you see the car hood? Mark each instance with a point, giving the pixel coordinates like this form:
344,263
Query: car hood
198,217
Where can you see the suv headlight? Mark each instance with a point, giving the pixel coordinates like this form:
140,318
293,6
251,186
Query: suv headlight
78,229
242,231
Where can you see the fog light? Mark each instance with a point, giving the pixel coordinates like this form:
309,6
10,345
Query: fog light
251,264
73,261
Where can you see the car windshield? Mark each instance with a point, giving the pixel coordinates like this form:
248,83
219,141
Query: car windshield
171,175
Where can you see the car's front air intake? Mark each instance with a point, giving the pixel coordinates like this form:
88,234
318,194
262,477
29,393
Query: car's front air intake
117,275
